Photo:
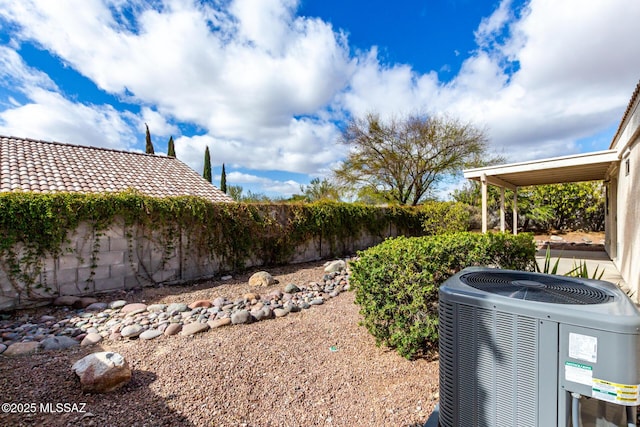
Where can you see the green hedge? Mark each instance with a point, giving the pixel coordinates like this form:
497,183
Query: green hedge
396,283
444,217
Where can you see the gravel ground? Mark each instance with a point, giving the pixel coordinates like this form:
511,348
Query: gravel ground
279,372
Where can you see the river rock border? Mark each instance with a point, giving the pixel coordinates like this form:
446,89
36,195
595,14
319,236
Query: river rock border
118,320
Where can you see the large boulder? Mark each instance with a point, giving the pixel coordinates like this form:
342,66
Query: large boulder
262,278
102,372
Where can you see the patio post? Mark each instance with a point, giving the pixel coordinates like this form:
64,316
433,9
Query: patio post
502,222
515,211
483,180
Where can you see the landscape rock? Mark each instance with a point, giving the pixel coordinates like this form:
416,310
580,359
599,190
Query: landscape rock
2,348
102,372
218,323
91,339
251,296
291,289
262,278
173,329
177,307
154,308
200,303
280,312
240,317
96,306
150,334
136,306
58,343
21,349
131,331
335,266
194,328
117,304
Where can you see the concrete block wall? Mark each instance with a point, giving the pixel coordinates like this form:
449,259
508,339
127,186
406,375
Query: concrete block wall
122,258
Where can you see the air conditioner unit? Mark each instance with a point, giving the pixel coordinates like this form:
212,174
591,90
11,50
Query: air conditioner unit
519,349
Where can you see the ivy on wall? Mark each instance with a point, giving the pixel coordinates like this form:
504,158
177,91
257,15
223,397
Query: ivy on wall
35,227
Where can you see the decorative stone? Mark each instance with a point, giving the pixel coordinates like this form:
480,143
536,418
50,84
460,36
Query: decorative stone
96,306
150,334
240,317
117,304
317,301
67,300
131,331
276,294
21,349
194,328
200,303
177,306
280,312
102,372
2,348
58,343
268,313
173,329
213,324
335,266
155,308
262,278
133,307
91,339
291,289
251,296
257,314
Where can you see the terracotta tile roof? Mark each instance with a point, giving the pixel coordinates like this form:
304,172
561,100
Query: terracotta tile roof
45,167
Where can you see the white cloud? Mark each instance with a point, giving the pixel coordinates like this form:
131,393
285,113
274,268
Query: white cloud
258,184
245,83
265,86
48,115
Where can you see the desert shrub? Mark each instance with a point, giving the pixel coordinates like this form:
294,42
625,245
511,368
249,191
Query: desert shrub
396,283
444,217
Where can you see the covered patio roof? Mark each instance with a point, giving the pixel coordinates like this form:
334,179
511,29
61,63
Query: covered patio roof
580,167
576,168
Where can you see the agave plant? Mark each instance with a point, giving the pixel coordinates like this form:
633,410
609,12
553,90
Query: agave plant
579,268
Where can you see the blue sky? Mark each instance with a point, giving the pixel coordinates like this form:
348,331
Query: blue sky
267,84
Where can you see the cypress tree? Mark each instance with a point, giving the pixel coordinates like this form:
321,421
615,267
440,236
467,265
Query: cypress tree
149,148
171,151
223,180
206,174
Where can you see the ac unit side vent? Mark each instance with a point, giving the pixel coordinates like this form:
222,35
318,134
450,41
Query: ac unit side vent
535,287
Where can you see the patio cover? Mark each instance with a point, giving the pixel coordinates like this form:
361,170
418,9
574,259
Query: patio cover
576,168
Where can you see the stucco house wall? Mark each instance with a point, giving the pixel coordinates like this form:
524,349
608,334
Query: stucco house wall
623,219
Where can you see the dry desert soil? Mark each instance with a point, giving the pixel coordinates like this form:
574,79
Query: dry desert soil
317,367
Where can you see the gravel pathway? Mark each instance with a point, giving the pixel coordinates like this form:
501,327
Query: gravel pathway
313,367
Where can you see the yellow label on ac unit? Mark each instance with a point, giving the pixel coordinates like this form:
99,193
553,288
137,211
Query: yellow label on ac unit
621,394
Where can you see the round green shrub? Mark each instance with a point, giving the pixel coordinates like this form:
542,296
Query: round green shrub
396,283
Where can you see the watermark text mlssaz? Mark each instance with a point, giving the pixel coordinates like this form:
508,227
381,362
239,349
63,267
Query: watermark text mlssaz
48,407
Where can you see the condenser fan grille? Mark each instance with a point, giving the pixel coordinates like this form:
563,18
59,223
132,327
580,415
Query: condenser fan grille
535,287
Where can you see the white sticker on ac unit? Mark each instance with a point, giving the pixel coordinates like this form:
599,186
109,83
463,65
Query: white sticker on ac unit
578,373
583,347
